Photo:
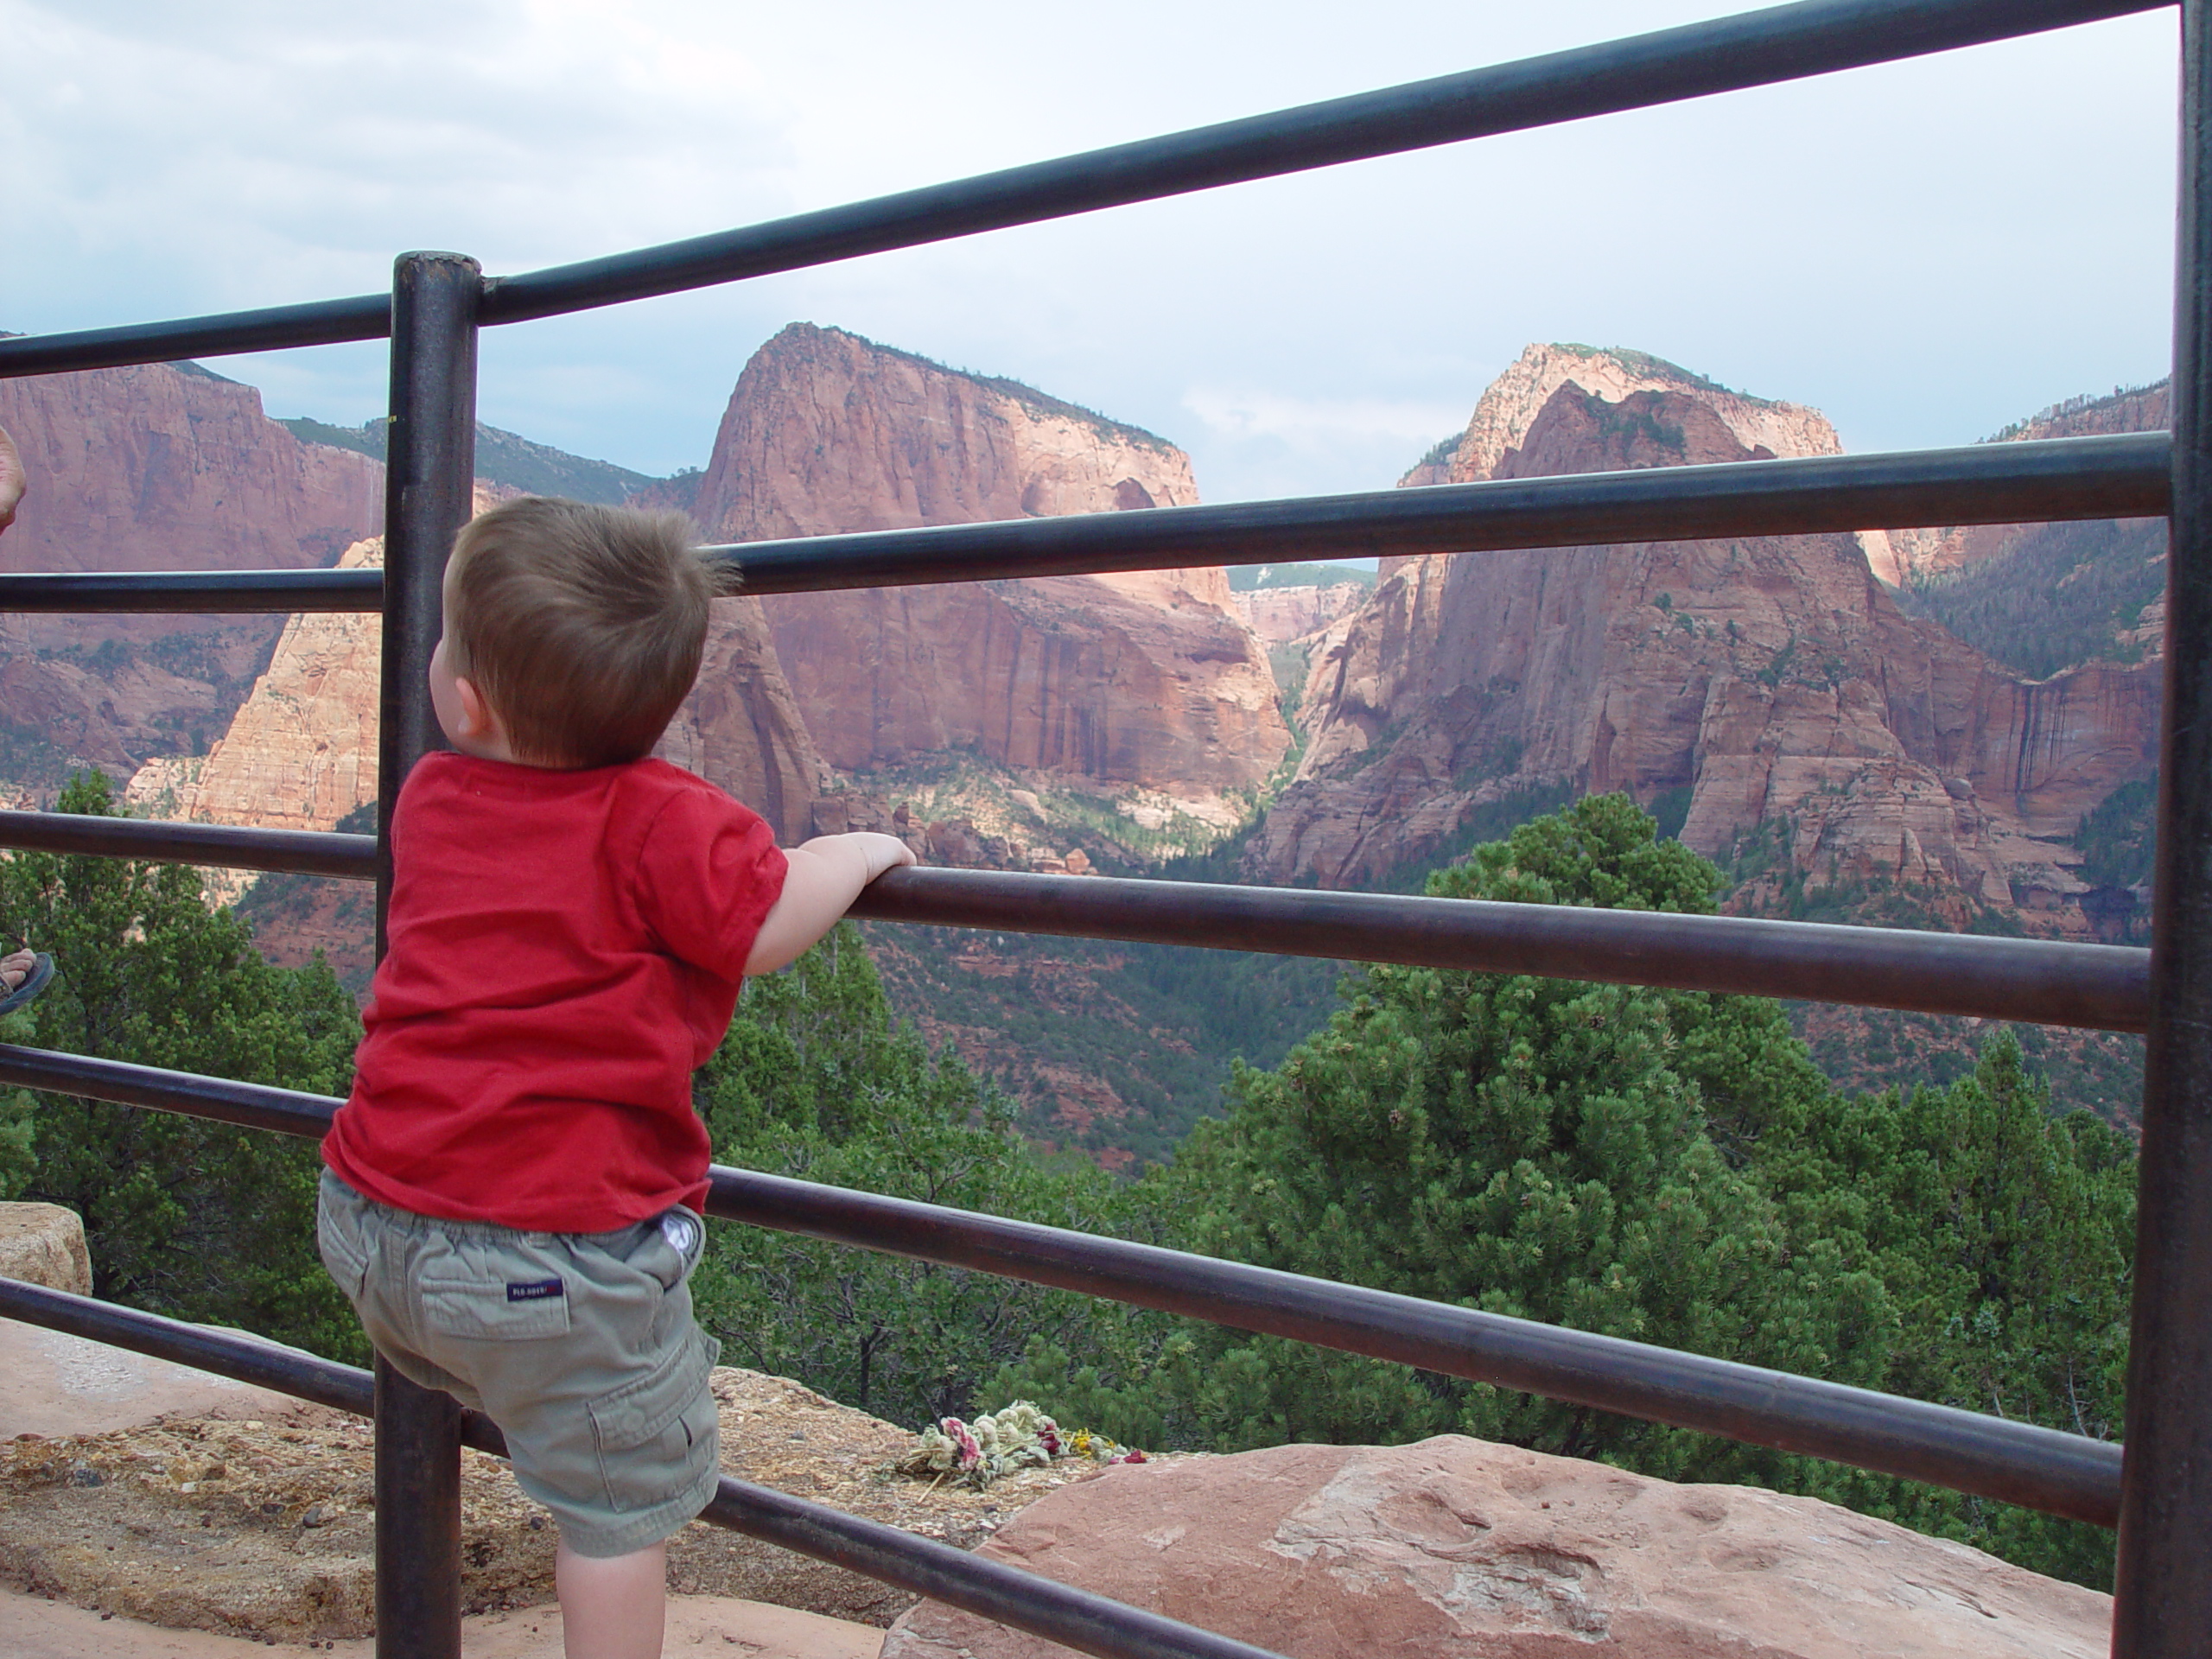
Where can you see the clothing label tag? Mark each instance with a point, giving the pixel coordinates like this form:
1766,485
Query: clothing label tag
680,1230
535,1291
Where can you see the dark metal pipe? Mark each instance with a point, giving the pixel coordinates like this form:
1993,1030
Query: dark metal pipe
1078,1618
418,1440
248,1105
975,1584
430,490
319,322
2044,982
2162,1606
1755,49
1728,55
306,852
2118,477
238,1355
2016,1463
211,593
2121,477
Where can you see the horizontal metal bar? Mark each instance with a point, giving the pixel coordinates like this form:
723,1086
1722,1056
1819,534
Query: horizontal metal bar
1728,55
2041,981
221,1100
222,846
235,593
2118,477
238,1355
1756,48
1026,1601
319,322
2115,477
2016,1463
975,1584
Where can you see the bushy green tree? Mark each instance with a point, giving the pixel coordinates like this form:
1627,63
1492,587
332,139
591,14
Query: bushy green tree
815,1080
1667,1167
184,1217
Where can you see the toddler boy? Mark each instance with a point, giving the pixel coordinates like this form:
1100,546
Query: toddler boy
515,1185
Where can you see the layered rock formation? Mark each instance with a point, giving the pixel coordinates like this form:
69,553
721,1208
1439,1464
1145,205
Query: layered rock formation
1278,615
167,467
1147,680
1454,1547
1512,402
1758,681
1915,554
302,752
157,467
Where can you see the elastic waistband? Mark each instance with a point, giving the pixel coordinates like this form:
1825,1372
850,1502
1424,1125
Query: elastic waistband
489,1231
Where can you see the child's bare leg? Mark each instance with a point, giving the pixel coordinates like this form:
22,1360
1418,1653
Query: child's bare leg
612,1607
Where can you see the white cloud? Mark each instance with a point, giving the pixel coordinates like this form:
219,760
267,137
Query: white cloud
1924,250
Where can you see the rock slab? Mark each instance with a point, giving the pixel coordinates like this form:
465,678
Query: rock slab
1455,1548
44,1244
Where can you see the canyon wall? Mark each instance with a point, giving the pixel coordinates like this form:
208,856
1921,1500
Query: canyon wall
1278,615
1509,406
1147,680
1920,553
301,752
1746,681
166,466
162,466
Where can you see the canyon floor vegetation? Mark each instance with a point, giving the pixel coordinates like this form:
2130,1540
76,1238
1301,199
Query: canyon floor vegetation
1671,1168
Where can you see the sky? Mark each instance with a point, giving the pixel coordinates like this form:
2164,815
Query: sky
1923,250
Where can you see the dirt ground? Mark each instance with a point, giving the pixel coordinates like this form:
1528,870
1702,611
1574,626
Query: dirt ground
261,1528
33,1628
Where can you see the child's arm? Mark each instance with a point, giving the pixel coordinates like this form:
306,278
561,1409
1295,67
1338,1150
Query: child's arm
821,880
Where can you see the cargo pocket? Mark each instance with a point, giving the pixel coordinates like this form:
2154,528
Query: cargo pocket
529,1304
656,1436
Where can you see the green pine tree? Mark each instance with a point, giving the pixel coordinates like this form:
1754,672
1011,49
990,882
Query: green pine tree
1666,1167
184,1217
815,1080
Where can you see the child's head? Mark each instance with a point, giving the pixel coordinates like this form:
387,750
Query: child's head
580,627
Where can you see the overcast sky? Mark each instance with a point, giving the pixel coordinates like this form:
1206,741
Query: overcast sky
1924,250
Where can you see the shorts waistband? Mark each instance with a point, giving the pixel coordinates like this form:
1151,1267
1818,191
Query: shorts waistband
411,1221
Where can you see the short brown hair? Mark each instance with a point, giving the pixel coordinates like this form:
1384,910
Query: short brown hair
582,626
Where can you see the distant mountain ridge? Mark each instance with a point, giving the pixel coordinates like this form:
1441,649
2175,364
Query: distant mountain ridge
502,457
1740,688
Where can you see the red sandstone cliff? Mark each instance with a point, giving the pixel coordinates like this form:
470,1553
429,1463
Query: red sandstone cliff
1920,553
163,466
1280,615
167,467
1772,679
1146,681
301,752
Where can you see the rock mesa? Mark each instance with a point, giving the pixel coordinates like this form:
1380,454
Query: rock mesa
1757,681
1144,680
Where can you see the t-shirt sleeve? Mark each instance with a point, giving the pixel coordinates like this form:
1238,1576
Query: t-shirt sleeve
708,875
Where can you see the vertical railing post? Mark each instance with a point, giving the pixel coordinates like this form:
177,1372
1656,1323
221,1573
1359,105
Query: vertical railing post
429,478
2163,1606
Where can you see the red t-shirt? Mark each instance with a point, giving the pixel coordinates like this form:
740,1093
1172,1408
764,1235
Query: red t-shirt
565,950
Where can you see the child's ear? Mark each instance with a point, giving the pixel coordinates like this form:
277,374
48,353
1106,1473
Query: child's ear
477,719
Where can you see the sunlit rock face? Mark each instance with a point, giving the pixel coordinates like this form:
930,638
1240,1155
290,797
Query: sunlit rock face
168,468
1147,680
1742,681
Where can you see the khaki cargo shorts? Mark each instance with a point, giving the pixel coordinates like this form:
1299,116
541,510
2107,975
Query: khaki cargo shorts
580,1347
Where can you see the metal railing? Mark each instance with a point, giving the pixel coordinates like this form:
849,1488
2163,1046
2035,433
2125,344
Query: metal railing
2158,1495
